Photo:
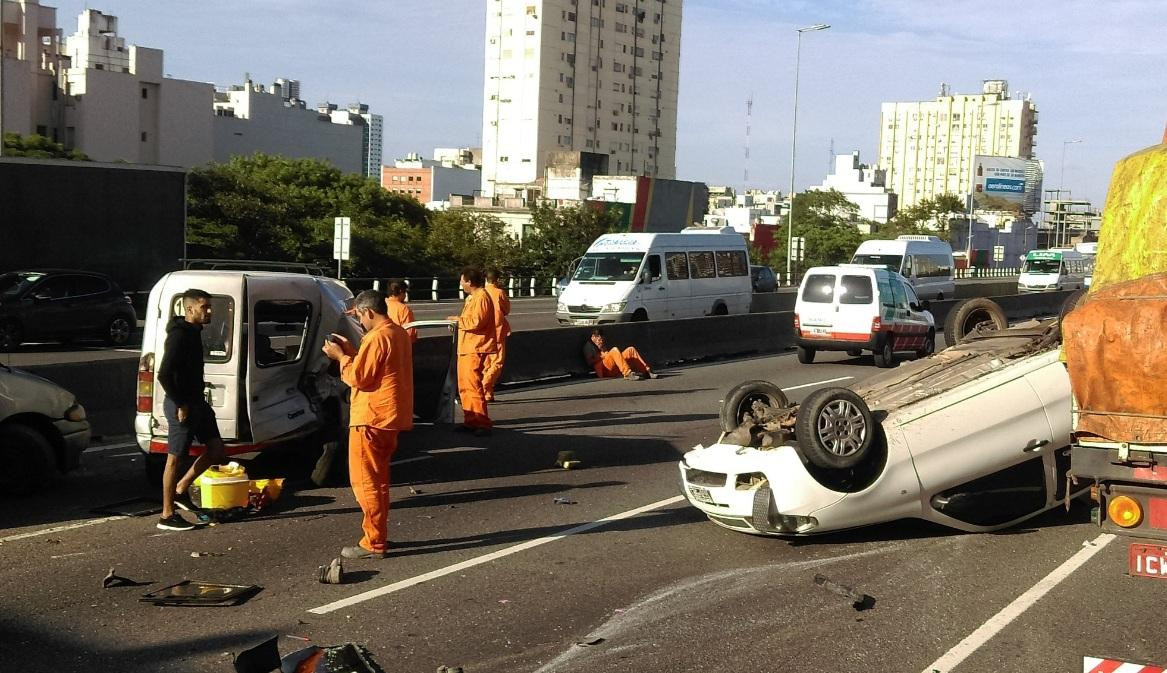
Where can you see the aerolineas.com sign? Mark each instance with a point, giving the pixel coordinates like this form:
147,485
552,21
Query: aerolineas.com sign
999,184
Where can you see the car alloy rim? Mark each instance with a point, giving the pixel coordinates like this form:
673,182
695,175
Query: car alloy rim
841,428
119,329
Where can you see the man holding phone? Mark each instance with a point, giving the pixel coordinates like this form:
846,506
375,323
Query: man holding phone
380,375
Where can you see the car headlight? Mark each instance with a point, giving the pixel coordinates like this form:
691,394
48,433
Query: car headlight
561,308
617,307
75,413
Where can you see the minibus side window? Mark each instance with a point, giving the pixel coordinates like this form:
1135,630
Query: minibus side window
677,265
654,271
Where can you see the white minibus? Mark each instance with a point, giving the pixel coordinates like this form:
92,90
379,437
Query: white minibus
925,261
1054,269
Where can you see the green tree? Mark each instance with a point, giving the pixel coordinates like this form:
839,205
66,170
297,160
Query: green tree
38,147
829,225
458,238
559,235
278,209
929,216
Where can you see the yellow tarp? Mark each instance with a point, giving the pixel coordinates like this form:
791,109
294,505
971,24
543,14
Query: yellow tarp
1133,240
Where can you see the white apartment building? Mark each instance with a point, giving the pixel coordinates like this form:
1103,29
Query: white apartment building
121,108
371,125
864,186
31,60
596,76
928,148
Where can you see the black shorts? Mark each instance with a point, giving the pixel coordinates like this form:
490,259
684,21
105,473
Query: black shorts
200,424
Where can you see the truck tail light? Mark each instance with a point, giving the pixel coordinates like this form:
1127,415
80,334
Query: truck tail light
146,383
1124,511
797,324
876,324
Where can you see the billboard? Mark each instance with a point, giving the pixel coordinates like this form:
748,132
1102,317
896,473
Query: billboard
1006,184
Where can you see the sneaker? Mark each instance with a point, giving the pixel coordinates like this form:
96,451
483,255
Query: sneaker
634,376
174,522
359,552
653,375
183,502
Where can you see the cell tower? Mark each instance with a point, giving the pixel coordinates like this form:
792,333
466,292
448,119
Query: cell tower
749,116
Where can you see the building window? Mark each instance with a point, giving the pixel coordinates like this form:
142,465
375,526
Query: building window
144,93
144,136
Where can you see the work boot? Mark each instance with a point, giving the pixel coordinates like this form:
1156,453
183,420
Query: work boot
359,552
634,376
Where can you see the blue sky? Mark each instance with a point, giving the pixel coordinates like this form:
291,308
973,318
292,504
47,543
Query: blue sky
1094,68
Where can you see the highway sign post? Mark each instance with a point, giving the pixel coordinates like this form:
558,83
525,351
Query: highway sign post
342,234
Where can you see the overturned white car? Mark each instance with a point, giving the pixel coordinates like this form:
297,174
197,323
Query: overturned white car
975,437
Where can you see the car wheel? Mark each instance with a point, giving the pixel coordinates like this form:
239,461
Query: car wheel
885,355
855,352
118,332
640,316
28,460
720,309
805,355
1070,304
740,400
10,335
835,428
969,314
939,296
929,345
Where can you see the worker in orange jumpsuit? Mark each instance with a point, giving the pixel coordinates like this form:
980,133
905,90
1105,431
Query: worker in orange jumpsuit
399,311
380,375
477,341
610,362
502,329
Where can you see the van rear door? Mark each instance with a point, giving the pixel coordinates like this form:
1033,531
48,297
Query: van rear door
817,309
856,298
283,316
221,359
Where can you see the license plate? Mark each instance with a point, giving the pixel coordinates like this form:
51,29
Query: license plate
701,494
1148,560
581,321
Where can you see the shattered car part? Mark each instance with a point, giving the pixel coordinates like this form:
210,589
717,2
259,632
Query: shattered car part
859,600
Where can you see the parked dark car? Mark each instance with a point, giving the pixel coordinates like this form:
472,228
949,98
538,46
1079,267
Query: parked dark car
63,305
763,279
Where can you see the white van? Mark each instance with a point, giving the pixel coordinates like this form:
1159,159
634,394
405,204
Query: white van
925,261
1054,269
860,307
637,276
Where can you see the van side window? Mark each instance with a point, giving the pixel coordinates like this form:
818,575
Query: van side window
819,288
217,335
855,290
701,265
884,283
899,297
907,271
654,271
731,263
280,330
677,265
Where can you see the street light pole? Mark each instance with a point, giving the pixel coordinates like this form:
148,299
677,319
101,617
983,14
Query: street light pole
793,145
1062,177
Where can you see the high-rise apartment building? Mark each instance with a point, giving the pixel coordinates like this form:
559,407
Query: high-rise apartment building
929,148
597,76
31,60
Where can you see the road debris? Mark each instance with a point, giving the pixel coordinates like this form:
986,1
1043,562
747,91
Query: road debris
201,554
589,642
112,580
859,600
192,592
565,501
567,460
333,573
449,669
415,491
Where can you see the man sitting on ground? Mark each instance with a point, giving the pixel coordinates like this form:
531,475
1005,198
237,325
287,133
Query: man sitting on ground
610,362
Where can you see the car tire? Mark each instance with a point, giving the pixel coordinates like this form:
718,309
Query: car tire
28,458
1070,304
720,309
939,296
640,315
10,336
968,314
806,355
118,331
929,345
884,354
835,429
855,352
741,398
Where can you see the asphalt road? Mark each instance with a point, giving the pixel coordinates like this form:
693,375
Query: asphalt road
488,572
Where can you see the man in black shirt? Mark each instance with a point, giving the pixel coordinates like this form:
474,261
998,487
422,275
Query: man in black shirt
188,413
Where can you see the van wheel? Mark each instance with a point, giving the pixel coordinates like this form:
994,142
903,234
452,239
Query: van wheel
885,355
929,345
805,355
835,428
720,309
939,296
1070,304
28,459
640,315
740,400
969,314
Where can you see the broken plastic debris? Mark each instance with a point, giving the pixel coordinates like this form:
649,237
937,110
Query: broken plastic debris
415,491
589,642
567,460
112,580
504,601
564,501
333,573
859,600
449,669
200,554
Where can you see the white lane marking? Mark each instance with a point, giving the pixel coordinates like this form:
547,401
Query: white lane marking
486,558
990,628
820,383
110,447
409,460
61,529
133,454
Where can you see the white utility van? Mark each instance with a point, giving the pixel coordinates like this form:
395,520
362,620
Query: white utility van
1054,269
925,261
859,307
638,276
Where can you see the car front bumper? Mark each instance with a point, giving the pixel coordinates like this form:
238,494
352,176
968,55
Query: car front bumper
591,318
75,436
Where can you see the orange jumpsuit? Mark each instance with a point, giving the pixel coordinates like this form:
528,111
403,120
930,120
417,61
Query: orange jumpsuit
618,363
380,375
476,341
401,314
502,329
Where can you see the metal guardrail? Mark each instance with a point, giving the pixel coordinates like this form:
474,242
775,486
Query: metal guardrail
437,288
